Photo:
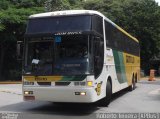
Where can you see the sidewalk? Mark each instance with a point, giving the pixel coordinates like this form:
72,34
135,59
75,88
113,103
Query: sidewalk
7,89
147,77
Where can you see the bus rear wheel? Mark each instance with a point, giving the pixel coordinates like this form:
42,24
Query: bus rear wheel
133,85
105,101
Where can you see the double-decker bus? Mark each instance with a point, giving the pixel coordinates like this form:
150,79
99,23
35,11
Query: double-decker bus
77,56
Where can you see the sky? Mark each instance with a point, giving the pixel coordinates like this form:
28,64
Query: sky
158,2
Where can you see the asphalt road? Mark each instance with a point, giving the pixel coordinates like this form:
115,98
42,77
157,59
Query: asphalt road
145,98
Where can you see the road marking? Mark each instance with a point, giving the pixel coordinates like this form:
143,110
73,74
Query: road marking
6,91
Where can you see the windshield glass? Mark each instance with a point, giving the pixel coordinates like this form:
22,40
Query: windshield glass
59,24
39,57
60,55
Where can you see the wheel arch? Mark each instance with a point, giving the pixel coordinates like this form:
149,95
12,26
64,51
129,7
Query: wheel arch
110,80
133,78
136,78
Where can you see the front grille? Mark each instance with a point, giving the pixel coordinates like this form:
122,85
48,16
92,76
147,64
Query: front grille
62,83
44,83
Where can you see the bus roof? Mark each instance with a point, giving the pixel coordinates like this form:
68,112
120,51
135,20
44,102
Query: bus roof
79,12
66,12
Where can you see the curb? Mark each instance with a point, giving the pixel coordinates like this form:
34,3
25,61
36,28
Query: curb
10,82
146,78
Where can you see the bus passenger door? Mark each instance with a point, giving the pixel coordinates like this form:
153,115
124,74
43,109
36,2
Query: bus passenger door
98,56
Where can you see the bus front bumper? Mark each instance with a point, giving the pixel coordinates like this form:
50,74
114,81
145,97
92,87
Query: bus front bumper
60,94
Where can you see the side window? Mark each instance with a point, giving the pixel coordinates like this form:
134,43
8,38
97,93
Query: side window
98,56
120,41
107,33
123,41
137,49
127,44
97,24
115,39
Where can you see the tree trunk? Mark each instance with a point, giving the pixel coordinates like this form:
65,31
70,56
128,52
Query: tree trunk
2,53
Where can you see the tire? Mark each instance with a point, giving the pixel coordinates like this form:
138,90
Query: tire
133,85
136,79
105,101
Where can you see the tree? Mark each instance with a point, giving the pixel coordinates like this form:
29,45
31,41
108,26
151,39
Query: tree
13,16
56,5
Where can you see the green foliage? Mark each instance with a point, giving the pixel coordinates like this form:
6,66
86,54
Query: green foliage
13,17
76,4
17,13
94,4
2,27
56,5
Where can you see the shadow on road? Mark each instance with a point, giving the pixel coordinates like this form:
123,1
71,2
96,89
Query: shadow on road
66,109
119,94
51,108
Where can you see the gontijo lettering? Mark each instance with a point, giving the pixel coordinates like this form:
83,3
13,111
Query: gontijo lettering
40,79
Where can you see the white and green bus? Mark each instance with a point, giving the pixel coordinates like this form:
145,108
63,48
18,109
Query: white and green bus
77,56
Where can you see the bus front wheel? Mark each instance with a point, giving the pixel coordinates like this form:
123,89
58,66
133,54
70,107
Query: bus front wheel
105,101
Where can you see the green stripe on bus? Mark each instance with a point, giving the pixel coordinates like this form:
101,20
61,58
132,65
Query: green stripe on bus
120,66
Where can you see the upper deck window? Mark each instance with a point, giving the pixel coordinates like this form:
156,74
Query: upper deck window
59,24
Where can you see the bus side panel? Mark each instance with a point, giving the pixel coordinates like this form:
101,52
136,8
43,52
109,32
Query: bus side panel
116,70
132,66
120,66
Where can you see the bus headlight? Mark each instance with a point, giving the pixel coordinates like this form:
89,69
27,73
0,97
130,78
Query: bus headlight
28,92
83,93
80,93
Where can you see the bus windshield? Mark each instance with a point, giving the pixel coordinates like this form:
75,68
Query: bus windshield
61,55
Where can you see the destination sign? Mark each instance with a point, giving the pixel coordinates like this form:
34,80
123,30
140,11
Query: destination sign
68,33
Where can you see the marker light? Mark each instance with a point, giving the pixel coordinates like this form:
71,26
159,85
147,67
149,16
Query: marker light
83,93
90,83
80,93
26,92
